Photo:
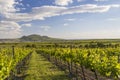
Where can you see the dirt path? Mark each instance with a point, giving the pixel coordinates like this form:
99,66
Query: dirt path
41,69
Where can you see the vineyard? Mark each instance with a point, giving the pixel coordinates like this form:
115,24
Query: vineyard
104,63
79,62
11,59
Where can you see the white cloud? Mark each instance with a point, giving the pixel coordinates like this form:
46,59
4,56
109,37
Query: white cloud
7,6
70,19
40,13
27,25
9,29
63,2
115,6
65,24
45,28
89,8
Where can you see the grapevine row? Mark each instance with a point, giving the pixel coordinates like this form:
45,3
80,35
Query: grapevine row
100,61
9,58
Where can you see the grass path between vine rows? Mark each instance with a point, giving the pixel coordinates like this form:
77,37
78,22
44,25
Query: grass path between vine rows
41,69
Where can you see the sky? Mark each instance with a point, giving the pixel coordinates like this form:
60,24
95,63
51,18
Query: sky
67,19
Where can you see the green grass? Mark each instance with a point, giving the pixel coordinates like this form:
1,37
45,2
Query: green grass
41,69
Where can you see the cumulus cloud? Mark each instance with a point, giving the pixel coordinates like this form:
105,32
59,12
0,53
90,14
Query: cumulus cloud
9,29
40,13
63,2
7,6
45,28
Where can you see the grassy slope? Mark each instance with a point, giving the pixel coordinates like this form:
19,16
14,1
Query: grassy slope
41,69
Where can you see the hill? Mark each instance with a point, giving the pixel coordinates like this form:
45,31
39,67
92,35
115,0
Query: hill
30,38
35,37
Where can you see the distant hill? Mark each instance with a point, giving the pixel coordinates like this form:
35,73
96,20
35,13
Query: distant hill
39,38
9,40
31,38
35,37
